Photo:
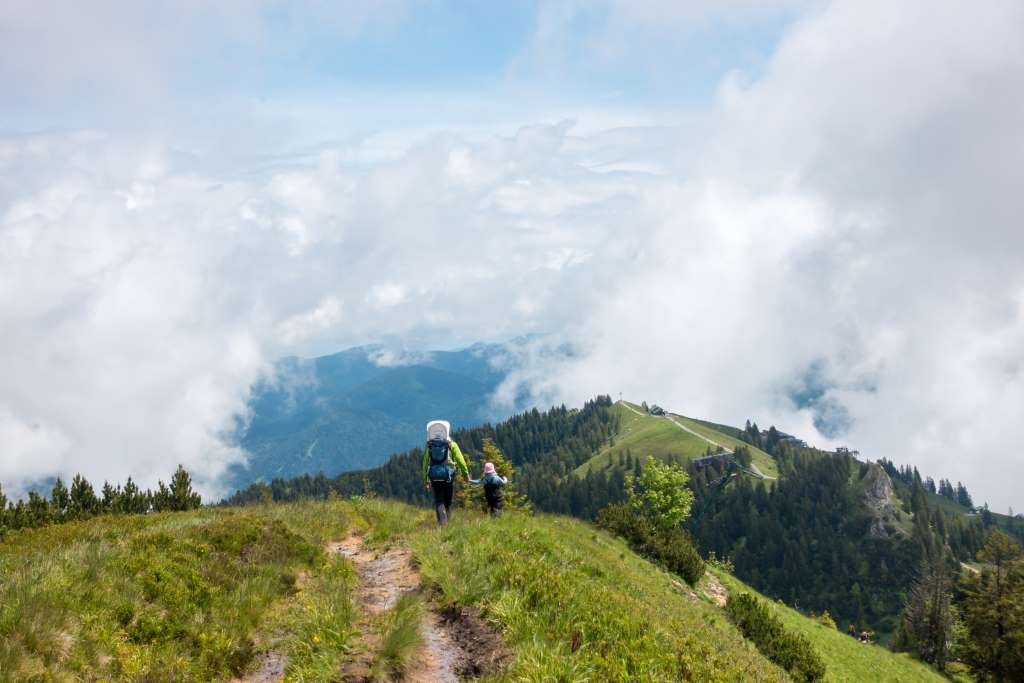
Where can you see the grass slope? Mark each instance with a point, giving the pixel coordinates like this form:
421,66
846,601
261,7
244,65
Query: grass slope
573,603
764,462
846,659
174,596
198,596
577,604
648,435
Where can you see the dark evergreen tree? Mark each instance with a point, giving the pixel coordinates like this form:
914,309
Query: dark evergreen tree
132,500
929,618
986,516
59,499
82,501
993,605
3,511
181,497
160,500
963,497
37,511
108,498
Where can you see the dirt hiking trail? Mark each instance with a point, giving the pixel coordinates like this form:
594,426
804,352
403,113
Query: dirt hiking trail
270,670
457,644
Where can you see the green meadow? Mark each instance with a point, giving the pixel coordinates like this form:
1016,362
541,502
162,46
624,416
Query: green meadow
207,595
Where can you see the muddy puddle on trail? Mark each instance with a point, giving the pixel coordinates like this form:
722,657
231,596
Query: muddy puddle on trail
270,670
457,645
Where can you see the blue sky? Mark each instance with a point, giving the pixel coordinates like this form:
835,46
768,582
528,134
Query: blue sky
143,60
712,203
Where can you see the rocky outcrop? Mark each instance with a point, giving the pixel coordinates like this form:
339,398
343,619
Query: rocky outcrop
880,500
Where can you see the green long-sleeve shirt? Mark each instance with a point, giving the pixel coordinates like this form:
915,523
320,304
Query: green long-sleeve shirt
454,454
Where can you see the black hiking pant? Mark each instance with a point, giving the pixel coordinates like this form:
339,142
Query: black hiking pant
443,493
495,499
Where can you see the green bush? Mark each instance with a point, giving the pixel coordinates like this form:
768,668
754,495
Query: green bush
677,552
791,651
673,549
621,520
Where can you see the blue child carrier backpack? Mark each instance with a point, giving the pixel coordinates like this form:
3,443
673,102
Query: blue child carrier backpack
440,468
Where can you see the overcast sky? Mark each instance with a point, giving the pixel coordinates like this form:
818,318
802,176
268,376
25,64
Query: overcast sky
805,213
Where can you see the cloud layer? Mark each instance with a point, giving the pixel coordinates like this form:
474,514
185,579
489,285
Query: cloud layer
830,243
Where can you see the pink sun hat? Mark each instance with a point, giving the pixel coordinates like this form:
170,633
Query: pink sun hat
489,468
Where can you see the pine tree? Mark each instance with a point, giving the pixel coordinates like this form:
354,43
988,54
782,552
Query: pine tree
132,500
3,510
466,494
994,611
109,497
37,510
181,496
986,516
59,499
929,618
160,500
82,501
963,497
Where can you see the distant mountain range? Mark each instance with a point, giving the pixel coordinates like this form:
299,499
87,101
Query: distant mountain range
351,410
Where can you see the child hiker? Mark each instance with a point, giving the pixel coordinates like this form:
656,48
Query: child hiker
493,483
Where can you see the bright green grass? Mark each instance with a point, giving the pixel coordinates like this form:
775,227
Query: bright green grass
554,584
845,658
172,596
196,596
543,579
644,436
764,462
650,435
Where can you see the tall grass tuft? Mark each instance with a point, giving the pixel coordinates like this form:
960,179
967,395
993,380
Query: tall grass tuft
401,638
319,622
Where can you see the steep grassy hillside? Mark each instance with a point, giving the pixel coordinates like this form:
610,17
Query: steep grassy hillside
213,594
847,659
649,435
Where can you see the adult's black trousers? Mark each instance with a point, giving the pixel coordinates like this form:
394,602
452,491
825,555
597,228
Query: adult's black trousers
443,493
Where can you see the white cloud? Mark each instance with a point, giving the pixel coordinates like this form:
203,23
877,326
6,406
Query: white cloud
304,326
853,205
849,211
393,358
387,295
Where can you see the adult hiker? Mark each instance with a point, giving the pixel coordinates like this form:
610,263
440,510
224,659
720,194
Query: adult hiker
440,458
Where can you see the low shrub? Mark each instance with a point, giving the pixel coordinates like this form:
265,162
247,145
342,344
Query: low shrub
621,520
826,620
791,651
673,549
